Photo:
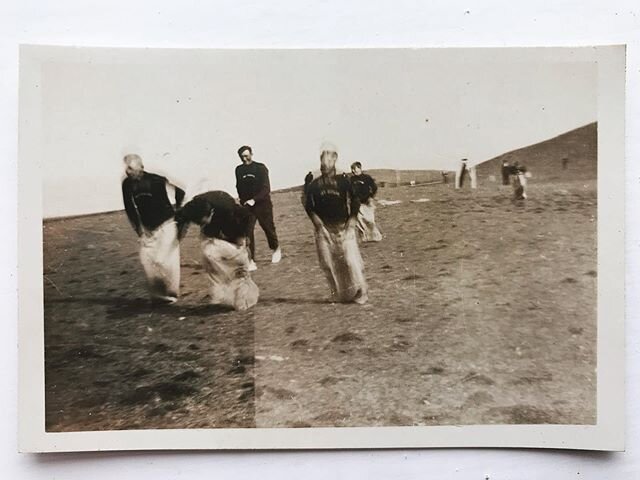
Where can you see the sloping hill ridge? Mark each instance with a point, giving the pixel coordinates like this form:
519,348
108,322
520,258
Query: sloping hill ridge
545,159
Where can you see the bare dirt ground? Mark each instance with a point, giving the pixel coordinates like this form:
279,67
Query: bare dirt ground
482,311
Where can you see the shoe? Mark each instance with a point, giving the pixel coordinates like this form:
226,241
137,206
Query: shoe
252,266
276,256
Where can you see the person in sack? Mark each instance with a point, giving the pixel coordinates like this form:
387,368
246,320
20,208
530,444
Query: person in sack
224,231
333,210
150,212
364,187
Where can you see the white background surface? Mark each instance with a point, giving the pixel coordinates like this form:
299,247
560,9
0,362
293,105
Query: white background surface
314,24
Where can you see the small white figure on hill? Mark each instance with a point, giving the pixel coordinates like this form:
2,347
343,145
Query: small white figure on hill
465,171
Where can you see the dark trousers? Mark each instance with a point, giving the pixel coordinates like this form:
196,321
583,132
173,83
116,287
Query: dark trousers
464,173
263,213
505,176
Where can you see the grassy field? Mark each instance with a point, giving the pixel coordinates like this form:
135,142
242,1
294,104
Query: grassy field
481,311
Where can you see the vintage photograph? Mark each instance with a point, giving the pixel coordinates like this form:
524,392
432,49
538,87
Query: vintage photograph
318,238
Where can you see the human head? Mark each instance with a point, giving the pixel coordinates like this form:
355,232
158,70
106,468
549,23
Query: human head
328,158
246,154
356,168
197,211
133,165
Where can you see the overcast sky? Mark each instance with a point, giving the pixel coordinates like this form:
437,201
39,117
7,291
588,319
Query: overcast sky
186,113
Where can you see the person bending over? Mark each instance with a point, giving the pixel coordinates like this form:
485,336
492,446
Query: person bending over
224,228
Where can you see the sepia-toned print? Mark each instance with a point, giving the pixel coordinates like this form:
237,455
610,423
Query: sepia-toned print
320,238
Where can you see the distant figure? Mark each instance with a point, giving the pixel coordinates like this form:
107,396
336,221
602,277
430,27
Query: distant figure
333,209
151,214
445,177
224,228
254,190
565,163
364,187
519,181
465,171
506,172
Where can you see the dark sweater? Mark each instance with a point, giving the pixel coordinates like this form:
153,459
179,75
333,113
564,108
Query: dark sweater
252,182
229,221
364,187
332,199
146,202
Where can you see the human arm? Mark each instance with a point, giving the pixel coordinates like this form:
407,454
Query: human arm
307,196
177,191
354,202
239,185
192,212
265,187
373,188
130,207
183,227
309,202
242,220
354,206
182,221
307,181
179,196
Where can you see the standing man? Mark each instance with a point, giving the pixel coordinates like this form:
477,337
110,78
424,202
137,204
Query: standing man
333,209
223,238
519,181
506,172
151,214
364,187
254,190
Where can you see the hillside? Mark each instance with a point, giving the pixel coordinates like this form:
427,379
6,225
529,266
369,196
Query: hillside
544,160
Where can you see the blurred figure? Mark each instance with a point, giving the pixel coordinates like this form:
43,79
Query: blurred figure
565,163
333,209
465,171
224,228
506,172
254,190
151,214
364,188
519,182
